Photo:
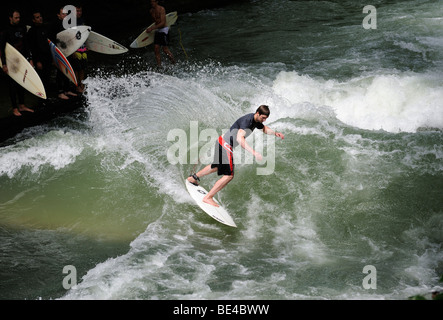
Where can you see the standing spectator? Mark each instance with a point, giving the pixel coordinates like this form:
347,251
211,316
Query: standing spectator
15,35
38,43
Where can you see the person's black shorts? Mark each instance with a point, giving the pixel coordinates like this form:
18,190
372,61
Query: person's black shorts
161,38
223,159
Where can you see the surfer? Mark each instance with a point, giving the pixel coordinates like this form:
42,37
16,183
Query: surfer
223,156
161,37
15,35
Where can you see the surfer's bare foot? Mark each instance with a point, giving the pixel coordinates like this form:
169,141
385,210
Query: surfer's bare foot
193,179
210,201
72,94
24,108
16,113
63,96
171,58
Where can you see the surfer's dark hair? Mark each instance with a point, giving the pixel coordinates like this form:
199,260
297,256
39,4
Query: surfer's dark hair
263,109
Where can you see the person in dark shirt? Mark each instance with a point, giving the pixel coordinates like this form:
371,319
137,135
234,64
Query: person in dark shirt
38,36
15,35
62,82
223,156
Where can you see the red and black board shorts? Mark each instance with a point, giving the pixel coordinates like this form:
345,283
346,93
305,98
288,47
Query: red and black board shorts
223,158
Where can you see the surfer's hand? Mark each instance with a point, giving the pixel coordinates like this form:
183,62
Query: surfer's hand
5,69
258,156
280,135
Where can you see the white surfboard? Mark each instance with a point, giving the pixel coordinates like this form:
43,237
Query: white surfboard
146,38
62,63
218,213
69,40
22,72
99,43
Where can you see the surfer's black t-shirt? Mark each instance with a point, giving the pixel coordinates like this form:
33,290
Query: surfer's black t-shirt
246,123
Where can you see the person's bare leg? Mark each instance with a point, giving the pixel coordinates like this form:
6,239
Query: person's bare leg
220,184
157,55
169,54
80,77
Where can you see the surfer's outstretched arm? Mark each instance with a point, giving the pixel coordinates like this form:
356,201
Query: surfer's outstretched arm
271,132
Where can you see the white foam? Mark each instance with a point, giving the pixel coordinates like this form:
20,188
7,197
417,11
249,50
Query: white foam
56,149
391,102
